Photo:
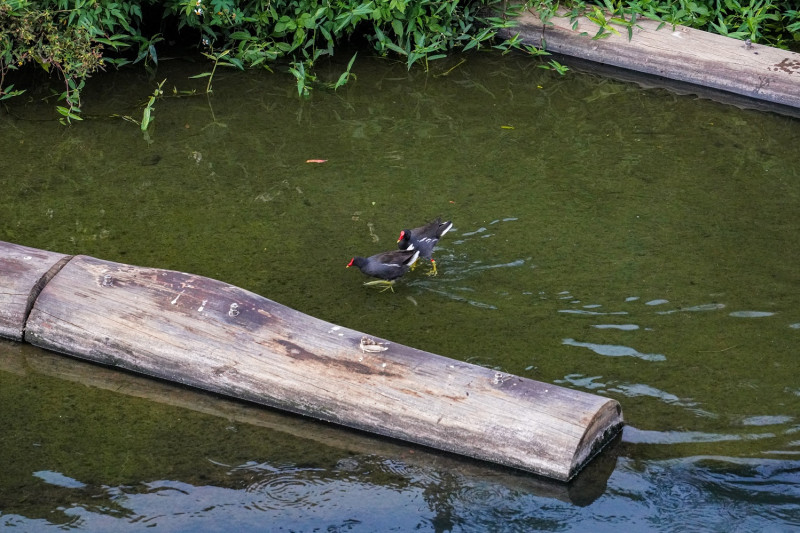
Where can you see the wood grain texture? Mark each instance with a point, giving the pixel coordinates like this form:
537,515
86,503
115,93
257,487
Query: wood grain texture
211,335
678,53
23,273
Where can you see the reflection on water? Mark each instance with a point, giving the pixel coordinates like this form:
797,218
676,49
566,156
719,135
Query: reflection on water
701,307
632,390
751,314
615,350
642,496
58,479
622,241
682,437
755,494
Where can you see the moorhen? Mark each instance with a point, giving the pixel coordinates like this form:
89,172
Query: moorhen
424,239
388,266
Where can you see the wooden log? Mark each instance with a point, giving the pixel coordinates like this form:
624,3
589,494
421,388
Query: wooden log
210,335
675,52
23,273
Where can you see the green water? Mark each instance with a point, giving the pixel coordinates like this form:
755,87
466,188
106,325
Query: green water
628,242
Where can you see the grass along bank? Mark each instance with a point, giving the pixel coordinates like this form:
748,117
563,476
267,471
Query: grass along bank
72,39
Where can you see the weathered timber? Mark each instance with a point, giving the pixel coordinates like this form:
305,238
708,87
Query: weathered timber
675,52
211,335
23,273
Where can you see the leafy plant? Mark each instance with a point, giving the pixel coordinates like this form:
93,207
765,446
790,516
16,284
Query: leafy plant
218,60
147,115
72,39
555,65
773,22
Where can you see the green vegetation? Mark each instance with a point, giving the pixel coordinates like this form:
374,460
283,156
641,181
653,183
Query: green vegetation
771,22
72,39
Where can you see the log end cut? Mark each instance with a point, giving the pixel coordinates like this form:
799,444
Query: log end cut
606,423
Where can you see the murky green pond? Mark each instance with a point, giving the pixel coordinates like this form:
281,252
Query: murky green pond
628,242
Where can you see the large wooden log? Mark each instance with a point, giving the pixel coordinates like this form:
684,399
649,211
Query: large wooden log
210,335
23,273
674,52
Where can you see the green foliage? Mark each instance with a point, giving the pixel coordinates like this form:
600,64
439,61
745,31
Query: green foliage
148,116
75,38
63,38
72,39
259,33
219,59
771,22
556,66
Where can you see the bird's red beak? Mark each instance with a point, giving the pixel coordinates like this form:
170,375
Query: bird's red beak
402,234
350,263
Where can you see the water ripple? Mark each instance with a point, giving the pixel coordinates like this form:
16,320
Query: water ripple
58,479
640,389
766,420
483,230
623,327
291,488
584,382
756,494
456,297
479,267
593,313
615,350
642,436
486,494
275,487
694,308
471,233
634,390
750,314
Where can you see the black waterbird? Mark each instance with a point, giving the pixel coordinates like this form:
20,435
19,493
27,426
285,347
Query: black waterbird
386,266
424,239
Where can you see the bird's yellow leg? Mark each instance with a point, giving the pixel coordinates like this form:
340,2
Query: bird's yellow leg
433,271
387,285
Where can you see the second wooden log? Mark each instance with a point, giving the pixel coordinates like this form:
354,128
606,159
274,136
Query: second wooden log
675,52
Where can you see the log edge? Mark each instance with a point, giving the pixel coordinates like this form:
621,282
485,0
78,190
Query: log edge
606,424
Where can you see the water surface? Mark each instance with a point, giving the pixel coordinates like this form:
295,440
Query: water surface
627,242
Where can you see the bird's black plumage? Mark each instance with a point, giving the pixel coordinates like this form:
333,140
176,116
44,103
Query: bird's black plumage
386,265
424,238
